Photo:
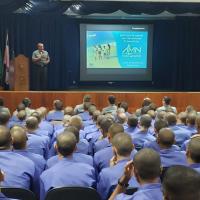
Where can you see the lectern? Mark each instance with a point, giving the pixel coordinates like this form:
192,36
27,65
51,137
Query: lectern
19,73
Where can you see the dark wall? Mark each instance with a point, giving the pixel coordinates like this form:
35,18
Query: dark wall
176,50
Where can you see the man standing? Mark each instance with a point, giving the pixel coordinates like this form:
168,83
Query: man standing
41,59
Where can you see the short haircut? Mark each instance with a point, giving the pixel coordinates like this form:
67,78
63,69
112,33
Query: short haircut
191,118
161,114
159,124
181,183
20,107
167,100
76,121
19,138
4,117
32,123
194,149
124,105
105,124
147,163
123,144
58,104
5,138
152,114
182,116
69,110
171,119
92,109
132,121
145,121
21,115
66,143
26,101
96,113
111,99
122,118
87,98
36,115
146,102
73,130
115,129
166,137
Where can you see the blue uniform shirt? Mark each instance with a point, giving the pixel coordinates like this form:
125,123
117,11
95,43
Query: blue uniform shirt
100,144
141,137
19,170
171,156
181,134
131,130
108,179
67,173
55,116
77,157
145,192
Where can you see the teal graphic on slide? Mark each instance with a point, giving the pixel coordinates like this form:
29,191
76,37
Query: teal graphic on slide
117,49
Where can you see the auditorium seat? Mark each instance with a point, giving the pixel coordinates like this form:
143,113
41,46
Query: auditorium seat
75,193
18,193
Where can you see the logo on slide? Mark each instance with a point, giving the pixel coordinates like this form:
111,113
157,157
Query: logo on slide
131,51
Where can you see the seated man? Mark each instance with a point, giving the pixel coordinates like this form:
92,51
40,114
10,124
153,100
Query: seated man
19,146
111,108
132,127
168,153
191,118
193,153
79,108
57,113
103,142
166,105
19,170
20,119
79,157
181,183
67,172
143,135
146,166
102,158
181,135
122,148
36,143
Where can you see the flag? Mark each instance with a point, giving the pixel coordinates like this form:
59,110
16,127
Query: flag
1,68
6,59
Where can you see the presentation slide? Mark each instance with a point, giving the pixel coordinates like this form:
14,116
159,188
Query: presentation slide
117,49
116,52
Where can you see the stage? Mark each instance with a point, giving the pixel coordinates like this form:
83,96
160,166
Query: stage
72,98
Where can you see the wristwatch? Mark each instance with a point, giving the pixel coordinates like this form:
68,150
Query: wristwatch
125,185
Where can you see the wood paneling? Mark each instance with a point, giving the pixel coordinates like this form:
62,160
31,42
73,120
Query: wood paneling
179,99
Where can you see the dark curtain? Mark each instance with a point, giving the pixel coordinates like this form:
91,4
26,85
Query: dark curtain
176,49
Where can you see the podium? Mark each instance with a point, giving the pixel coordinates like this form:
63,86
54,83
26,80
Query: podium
19,73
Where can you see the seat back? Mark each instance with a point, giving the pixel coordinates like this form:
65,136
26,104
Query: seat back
18,193
75,193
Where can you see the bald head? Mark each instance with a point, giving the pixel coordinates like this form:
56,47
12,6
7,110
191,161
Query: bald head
123,144
171,118
32,123
115,129
21,115
147,164
166,138
66,143
122,118
4,118
19,138
76,121
193,149
5,138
